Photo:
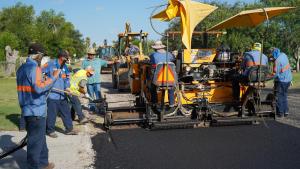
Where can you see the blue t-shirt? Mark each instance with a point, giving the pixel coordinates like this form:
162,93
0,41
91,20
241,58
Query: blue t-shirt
96,64
157,57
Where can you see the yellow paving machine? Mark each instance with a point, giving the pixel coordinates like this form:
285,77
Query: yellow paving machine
201,77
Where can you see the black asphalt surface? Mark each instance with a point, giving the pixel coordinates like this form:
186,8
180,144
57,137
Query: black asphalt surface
271,146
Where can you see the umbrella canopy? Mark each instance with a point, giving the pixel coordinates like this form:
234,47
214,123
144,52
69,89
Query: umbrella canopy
191,14
250,18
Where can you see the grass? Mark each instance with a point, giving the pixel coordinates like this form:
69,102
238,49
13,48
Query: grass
296,80
9,105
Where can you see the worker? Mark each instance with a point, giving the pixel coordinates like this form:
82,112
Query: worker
32,90
282,81
57,101
78,84
160,55
93,84
251,59
22,124
131,49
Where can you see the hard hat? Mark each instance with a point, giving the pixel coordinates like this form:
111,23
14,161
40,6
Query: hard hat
45,60
91,51
256,46
90,70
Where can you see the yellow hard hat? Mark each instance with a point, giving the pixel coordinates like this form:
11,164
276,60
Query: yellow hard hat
256,46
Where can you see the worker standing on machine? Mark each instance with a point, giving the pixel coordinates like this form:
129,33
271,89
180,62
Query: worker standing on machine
32,90
282,81
251,59
160,55
131,49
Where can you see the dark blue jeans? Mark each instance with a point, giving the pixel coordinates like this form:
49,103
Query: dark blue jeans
62,107
75,102
94,90
37,150
154,95
281,91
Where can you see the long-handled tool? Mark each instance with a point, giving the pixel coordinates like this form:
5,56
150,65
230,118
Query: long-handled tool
74,94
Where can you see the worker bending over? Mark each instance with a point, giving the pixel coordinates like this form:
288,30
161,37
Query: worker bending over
160,55
32,92
282,81
78,84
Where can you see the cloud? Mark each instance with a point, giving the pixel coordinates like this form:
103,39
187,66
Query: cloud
99,8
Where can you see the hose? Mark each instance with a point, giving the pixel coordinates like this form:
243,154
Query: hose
19,146
23,142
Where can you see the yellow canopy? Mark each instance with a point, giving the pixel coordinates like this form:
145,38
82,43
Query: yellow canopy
191,14
250,18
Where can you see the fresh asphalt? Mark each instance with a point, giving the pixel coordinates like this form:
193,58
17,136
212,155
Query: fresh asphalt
266,146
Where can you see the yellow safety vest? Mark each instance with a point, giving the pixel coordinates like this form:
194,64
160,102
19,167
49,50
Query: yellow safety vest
75,79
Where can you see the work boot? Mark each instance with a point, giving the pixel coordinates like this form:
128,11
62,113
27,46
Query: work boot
52,135
83,121
49,166
71,132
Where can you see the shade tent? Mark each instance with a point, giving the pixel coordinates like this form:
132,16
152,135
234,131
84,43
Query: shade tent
250,18
190,12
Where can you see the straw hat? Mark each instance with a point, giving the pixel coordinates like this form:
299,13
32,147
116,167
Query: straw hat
158,45
91,51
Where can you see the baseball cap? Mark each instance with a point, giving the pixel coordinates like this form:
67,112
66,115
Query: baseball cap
36,48
63,53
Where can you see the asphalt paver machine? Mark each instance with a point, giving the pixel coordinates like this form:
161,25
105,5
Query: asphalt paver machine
202,79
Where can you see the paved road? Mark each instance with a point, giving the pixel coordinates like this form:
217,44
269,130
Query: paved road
276,146
271,145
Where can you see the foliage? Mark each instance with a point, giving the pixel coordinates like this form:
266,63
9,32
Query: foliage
7,38
49,28
282,31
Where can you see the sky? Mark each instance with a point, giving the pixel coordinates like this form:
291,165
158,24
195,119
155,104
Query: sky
104,19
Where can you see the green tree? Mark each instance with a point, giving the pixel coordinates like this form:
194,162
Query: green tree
8,38
19,20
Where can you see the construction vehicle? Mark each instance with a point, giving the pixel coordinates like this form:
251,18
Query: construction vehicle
202,78
108,53
125,65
